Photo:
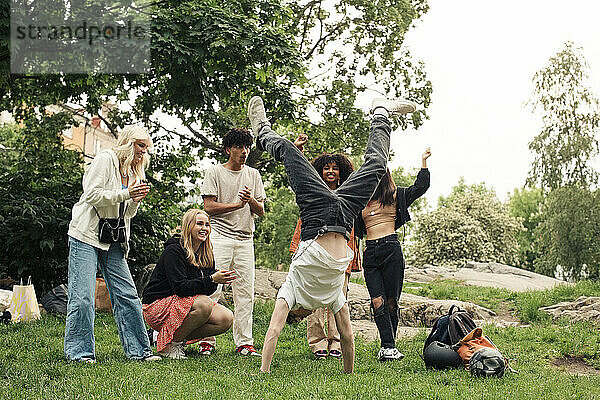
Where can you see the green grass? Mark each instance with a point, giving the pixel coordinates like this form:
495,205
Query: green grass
491,298
32,364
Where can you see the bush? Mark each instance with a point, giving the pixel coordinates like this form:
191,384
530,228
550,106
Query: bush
275,229
39,183
472,225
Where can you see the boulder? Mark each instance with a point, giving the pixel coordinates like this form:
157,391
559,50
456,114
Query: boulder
484,274
582,309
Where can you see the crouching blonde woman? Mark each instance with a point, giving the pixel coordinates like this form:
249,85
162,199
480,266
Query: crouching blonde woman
175,301
112,188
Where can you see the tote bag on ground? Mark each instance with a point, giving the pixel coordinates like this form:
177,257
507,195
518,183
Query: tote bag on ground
24,305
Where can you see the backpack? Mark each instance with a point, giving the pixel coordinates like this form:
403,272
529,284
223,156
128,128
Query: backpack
55,301
450,328
481,356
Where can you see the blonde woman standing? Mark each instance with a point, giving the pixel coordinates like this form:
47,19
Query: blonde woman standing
112,188
176,302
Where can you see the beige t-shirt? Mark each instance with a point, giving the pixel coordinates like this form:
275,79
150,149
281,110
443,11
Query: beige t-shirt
225,184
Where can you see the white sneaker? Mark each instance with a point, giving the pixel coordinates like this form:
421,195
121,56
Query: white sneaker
174,350
388,354
394,107
257,114
151,358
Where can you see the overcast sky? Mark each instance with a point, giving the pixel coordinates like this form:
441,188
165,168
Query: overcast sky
481,57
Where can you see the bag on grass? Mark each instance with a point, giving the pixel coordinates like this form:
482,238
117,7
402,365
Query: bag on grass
55,301
450,328
480,355
24,305
102,298
5,299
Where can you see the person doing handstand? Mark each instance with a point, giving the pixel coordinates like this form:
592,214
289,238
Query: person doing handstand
316,274
334,169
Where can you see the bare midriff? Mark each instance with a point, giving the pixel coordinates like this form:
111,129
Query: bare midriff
379,221
334,243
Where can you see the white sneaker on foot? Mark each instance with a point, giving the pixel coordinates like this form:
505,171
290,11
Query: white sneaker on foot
257,114
174,350
394,107
388,354
151,358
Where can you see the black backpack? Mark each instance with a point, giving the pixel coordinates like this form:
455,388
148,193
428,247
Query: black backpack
450,328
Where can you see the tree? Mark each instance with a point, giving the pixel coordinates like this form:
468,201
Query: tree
208,58
570,115
569,234
474,225
40,181
526,204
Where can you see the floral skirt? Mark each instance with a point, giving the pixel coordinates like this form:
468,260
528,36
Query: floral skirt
166,316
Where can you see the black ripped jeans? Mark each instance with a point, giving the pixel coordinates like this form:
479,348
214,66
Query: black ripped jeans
383,265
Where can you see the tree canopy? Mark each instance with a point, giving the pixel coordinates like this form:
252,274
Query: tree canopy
570,116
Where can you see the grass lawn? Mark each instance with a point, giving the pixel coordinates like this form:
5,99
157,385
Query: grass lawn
32,364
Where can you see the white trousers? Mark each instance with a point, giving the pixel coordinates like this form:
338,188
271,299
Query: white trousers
237,255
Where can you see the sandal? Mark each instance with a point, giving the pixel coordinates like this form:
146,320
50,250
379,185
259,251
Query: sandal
319,354
335,353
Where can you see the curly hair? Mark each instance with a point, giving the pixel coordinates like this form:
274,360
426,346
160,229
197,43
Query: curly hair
237,137
344,164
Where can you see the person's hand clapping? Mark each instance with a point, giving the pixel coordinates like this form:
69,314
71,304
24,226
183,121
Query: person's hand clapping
245,195
224,277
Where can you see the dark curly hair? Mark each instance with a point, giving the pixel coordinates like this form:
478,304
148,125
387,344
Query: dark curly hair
344,164
237,137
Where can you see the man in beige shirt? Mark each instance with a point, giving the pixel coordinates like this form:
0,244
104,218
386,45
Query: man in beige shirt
234,195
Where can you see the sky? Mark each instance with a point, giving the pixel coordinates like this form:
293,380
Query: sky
481,57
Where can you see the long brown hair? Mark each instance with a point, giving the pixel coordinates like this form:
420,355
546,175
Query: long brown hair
204,257
384,194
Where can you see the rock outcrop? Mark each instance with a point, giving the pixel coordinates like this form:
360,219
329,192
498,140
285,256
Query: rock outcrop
485,274
582,309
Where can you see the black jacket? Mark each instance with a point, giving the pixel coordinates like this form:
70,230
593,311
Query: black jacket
175,275
404,198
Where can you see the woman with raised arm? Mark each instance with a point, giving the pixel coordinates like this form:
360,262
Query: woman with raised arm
383,260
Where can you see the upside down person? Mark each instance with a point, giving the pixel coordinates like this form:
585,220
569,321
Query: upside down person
316,275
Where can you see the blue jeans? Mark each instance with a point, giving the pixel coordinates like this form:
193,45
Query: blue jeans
126,306
323,209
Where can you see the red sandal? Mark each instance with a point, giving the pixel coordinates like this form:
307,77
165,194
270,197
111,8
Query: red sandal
320,354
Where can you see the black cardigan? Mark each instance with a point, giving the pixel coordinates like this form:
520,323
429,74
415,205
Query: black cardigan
173,274
404,198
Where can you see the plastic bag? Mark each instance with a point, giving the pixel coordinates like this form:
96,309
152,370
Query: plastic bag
5,299
24,305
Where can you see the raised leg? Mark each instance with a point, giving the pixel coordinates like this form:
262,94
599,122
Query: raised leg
357,190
